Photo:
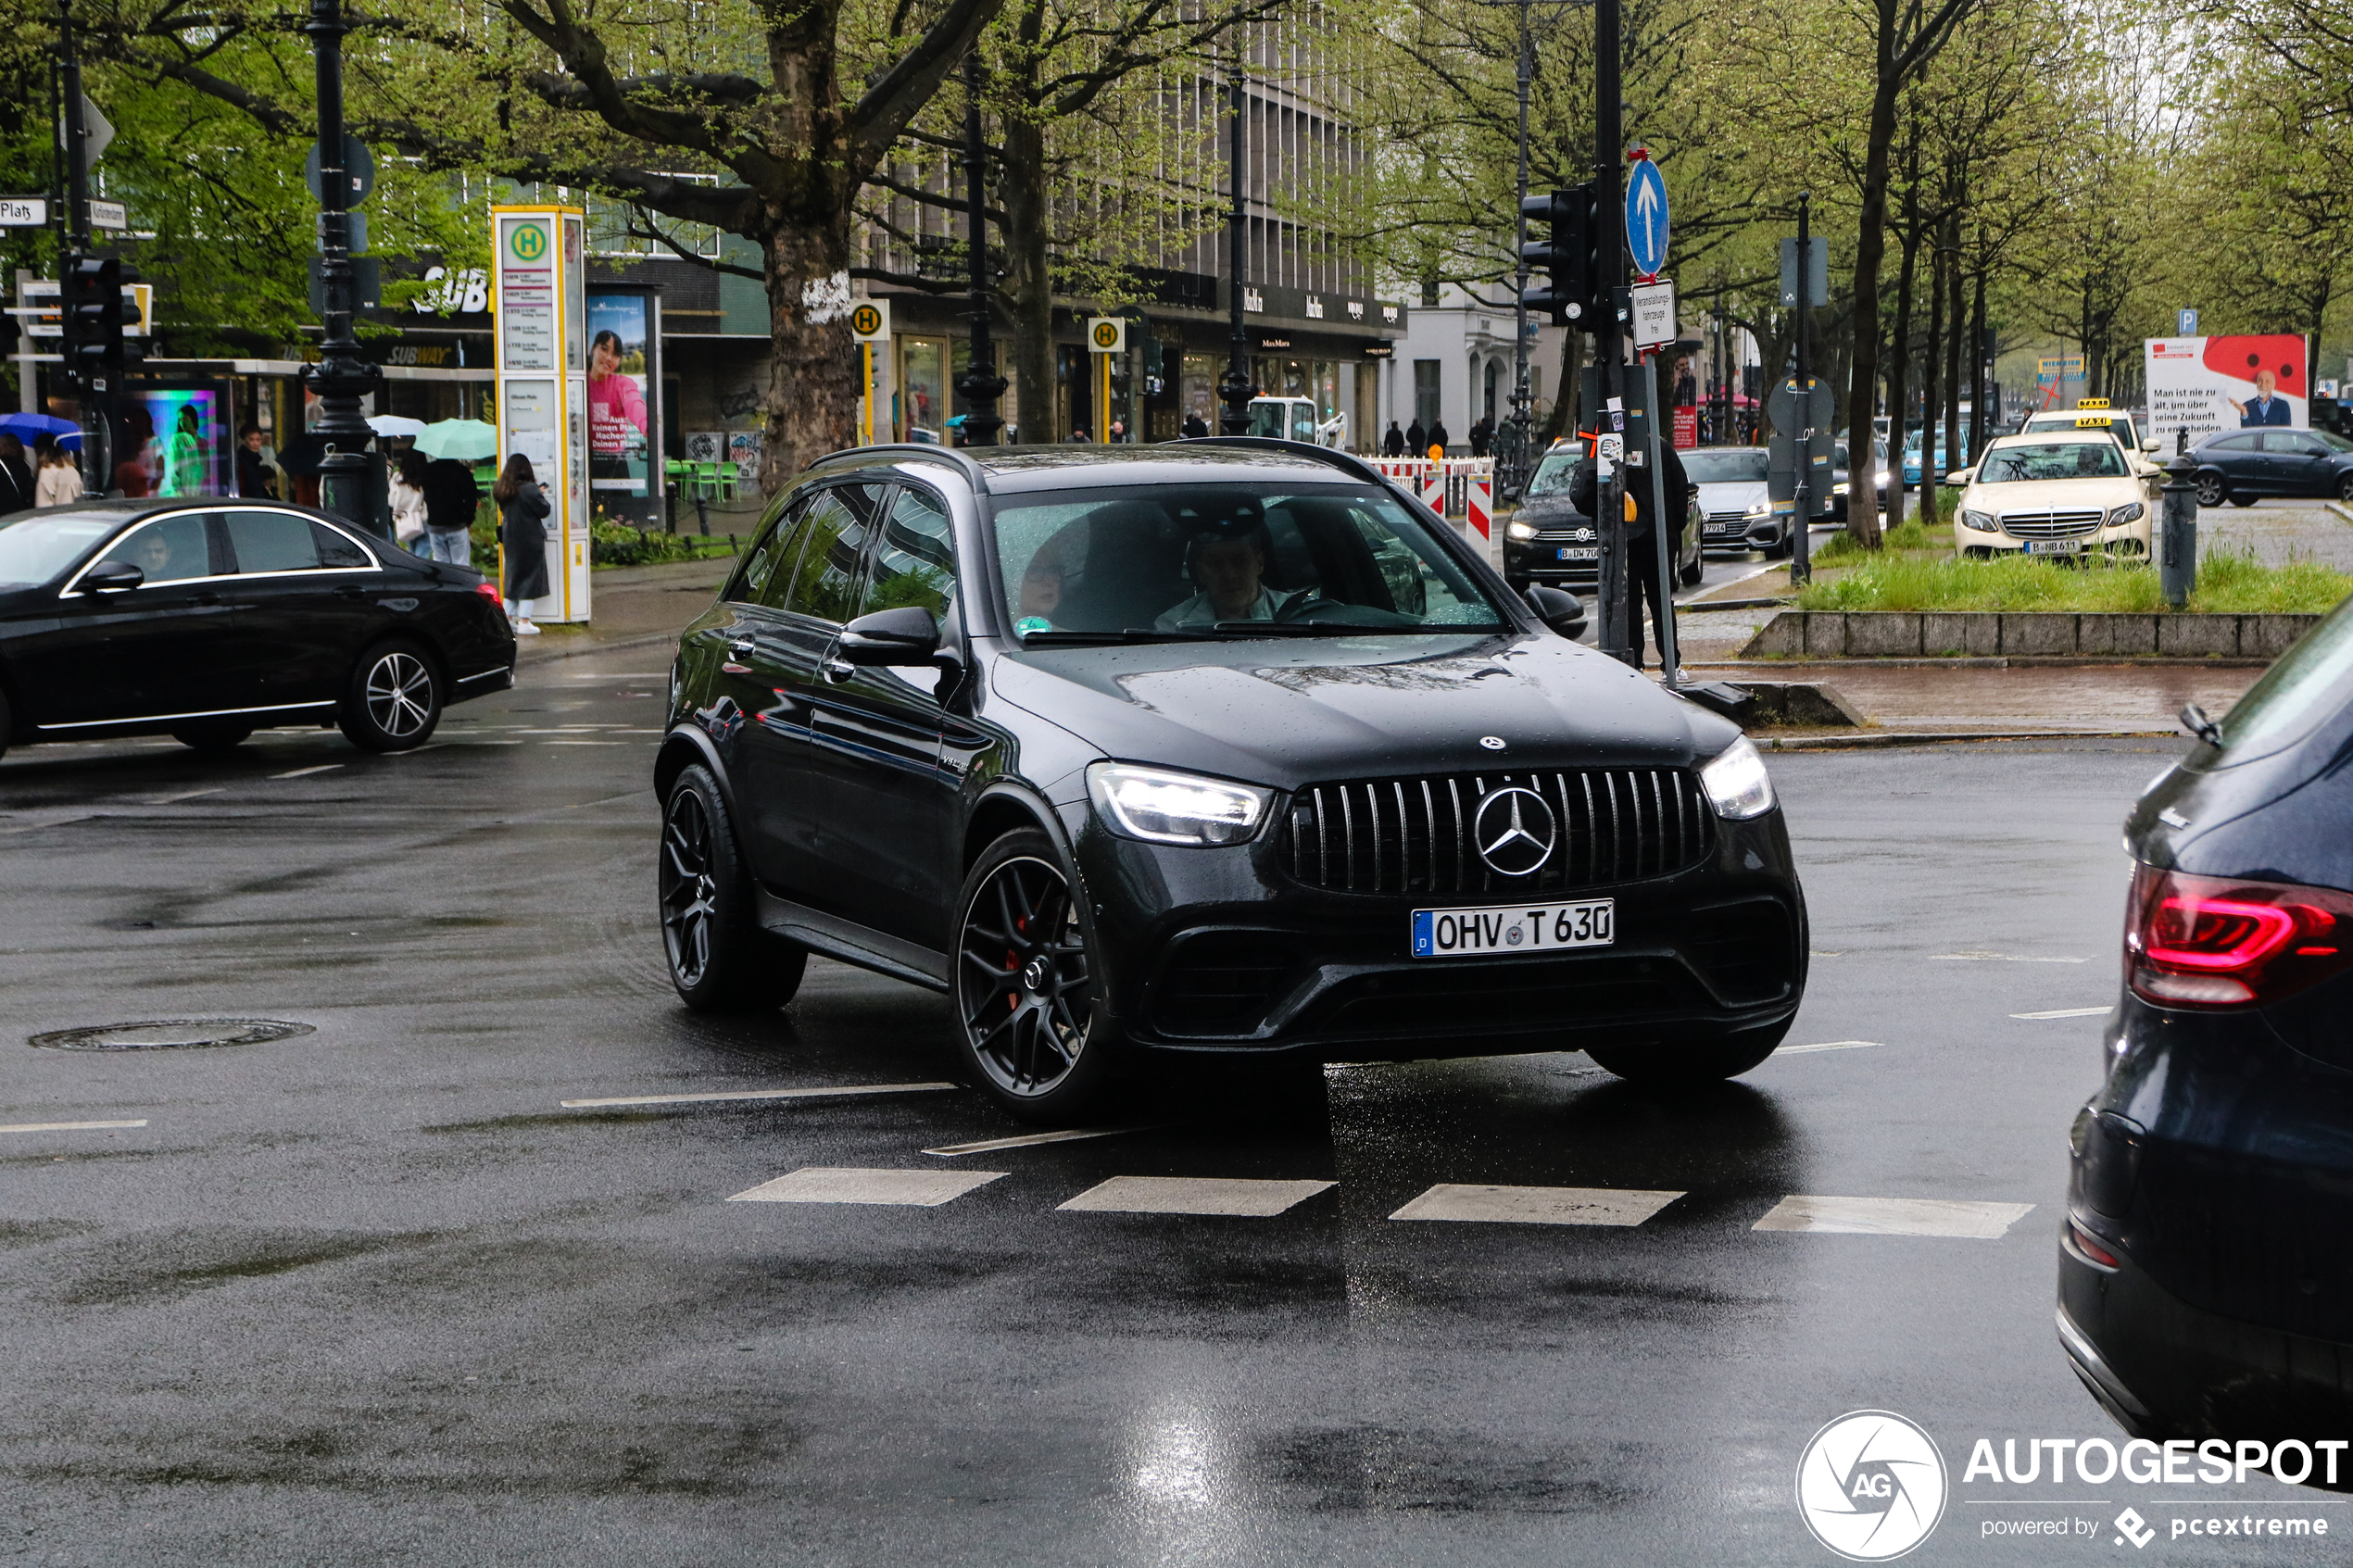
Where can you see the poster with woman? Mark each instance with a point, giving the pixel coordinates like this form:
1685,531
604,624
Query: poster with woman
179,439
620,450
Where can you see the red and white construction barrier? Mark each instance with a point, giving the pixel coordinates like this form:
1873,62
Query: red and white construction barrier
1461,490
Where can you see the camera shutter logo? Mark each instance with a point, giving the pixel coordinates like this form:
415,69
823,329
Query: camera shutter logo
1872,1485
1515,830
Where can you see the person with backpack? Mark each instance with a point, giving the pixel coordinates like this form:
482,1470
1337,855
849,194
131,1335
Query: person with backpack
451,499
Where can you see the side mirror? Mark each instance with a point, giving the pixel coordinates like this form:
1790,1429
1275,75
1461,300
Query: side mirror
112,577
1557,607
2153,444
1960,476
904,636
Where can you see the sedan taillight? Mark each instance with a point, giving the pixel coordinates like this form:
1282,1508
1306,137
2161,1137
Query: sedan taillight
2219,942
489,590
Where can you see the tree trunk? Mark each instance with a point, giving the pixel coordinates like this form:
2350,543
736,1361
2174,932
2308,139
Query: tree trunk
812,377
1899,362
1932,364
1870,249
1977,367
1955,332
1029,282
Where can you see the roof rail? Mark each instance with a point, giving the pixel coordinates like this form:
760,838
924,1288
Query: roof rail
955,456
1346,461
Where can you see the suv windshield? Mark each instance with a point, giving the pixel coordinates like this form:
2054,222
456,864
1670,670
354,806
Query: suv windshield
2053,459
1179,561
1739,466
1555,473
39,545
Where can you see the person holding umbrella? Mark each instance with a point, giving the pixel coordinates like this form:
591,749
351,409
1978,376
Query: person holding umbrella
521,507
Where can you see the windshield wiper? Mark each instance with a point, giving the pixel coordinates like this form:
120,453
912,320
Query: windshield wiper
1285,628
1059,638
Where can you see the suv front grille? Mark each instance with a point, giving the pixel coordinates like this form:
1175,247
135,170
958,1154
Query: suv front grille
2050,525
1415,835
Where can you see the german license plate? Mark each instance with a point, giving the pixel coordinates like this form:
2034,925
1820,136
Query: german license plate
2053,547
1514,928
1580,552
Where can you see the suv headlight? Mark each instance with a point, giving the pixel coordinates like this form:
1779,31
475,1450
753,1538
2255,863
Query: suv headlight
1736,782
2129,512
1162,806
1984,522
1520,529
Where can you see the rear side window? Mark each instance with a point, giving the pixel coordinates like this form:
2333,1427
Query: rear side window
334,550
2312,681
273,542
170,549
772,554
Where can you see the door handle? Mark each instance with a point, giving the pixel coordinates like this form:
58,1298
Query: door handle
740,647
838,668
205,599
351,591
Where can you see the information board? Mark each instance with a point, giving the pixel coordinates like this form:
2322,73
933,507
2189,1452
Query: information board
538,302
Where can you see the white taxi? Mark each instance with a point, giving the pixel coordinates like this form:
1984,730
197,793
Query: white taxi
2096,413
2055,493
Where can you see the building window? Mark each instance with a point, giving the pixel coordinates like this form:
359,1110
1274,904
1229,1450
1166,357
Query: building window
1430,294
1426,393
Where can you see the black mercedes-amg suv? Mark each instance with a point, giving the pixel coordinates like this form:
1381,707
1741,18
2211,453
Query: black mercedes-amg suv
1223,745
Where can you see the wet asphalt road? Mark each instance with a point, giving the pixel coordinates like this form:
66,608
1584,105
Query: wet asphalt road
373,1295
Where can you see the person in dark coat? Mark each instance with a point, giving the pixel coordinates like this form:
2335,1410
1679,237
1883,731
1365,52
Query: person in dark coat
1642,577
1482,436
1195,427
1417,446
1438,437
451,499
16,477
522,506
253,473
1393,443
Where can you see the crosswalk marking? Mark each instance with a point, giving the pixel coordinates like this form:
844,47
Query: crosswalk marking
70,1126
1034,1140
2068,1012
1537,1206
835,1183
1825,1046
1895,1216
1193,1195
831,1092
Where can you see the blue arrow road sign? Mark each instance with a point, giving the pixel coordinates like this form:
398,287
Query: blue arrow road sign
1646,218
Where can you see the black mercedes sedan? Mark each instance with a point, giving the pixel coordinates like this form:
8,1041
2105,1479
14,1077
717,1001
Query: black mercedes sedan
2206,1288
1221,748
207,619
1549,541
2243,466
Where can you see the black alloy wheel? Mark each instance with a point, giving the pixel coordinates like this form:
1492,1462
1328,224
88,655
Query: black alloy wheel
1031,1029
392,700
2345,487
2212,490
214,739
719,960
1671,1064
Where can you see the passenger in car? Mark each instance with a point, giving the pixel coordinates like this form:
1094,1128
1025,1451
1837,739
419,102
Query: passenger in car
1227,563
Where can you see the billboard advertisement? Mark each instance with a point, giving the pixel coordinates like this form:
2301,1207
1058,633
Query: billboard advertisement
180,437
2205,385
619,359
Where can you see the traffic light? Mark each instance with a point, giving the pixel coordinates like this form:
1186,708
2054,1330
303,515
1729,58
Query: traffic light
1568,256
129,348
96,311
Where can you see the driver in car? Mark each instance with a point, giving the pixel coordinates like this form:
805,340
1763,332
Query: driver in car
1227,562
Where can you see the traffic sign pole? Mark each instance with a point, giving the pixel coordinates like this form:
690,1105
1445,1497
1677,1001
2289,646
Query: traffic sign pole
1801,563
1609,288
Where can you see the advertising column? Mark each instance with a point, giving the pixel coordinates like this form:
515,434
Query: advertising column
541,317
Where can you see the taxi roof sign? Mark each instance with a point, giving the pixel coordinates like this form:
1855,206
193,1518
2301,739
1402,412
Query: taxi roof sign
2093,402
2094,422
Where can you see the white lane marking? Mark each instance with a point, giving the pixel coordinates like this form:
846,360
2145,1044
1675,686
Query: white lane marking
1193,1195
626,676
50,823
1821,953
2069,1012
305,772
187,794
835,1184
838,1090
1032,1140
1895,1216
1537,1206
584,743
70,1126
1826,1045
1973,957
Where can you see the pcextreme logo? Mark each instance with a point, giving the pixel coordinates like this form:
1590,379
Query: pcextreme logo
1872,1485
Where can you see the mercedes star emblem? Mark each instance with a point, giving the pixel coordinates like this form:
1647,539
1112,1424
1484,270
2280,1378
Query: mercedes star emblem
1493,743
1515,830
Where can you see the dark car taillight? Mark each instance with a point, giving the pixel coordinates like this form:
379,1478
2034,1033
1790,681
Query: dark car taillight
2219,942
489,590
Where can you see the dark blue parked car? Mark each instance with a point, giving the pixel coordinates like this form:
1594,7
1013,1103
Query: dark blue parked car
2241,465
2206,1289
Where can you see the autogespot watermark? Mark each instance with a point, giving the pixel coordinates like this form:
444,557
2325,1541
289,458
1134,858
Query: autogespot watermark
1872,1484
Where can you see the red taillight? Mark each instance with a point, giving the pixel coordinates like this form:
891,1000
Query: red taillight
2089,1246
2202,941
489,590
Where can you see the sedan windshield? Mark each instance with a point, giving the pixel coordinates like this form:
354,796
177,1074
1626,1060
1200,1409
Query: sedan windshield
1228,559
1741,466
39,545
2054,459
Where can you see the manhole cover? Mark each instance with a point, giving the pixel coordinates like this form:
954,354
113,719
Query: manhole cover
170,1035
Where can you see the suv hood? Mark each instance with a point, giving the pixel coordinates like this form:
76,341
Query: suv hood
1317,709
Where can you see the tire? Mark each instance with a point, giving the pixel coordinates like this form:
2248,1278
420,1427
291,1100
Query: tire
1708,1061
213,740
1690,575
2343,493
720,960
1032,1026
2211,492
7,724
2240,498
392,700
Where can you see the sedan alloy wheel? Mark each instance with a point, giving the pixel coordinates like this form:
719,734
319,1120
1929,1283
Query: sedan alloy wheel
393,700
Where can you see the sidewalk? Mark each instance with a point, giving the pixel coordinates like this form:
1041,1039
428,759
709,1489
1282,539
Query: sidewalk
633,606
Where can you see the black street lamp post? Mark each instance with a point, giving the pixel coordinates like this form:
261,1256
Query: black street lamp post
341,378
981,385
1234,387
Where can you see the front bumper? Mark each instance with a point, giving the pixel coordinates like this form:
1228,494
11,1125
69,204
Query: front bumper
2128,541
1218,950
1538,559
1743,533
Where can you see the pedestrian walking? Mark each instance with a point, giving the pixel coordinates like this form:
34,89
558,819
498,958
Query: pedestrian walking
59,480
253,470
451,499
1195,427
1437,438
1393,443
1643,579
404,488
1482,436
521,507
1416,442
16,477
